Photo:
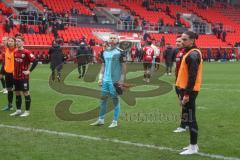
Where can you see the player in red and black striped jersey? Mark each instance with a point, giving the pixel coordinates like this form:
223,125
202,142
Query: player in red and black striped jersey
22,69
148,53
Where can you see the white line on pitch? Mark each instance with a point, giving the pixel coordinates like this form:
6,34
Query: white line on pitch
86,137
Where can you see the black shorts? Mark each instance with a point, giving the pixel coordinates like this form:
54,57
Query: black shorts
9,80
147,65
21,85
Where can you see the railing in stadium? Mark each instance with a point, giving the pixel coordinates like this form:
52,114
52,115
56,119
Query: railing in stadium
27,19
130,26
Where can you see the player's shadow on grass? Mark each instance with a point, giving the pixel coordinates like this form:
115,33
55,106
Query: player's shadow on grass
62,109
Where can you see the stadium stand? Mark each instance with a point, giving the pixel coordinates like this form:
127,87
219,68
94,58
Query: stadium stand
214,15
61,6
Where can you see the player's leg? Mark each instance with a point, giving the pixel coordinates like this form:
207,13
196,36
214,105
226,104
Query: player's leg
84,69
184,112
170,68
9,85
149,67
145,71
17,86
59,69
79,70
193,127
53,72
116,105
4,90
166,65
25,89
103,104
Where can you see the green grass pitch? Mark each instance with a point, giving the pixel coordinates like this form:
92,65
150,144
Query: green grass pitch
217,113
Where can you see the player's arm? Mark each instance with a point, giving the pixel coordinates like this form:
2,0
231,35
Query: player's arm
193,61
34,64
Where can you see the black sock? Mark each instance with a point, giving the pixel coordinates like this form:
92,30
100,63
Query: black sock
53,75
3,83
18,101
27,102
193,128
145,76
10,98
79,70
84,69
148,76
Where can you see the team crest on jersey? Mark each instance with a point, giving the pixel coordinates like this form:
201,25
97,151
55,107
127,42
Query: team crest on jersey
23,55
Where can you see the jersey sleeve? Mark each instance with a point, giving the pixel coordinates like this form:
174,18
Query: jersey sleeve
30,56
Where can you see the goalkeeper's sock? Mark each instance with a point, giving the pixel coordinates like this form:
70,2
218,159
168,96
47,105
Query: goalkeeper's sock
116,104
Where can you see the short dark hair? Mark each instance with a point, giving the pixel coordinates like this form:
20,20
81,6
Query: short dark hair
192,35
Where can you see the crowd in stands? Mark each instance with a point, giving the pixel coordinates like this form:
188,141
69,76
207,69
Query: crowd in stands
218,30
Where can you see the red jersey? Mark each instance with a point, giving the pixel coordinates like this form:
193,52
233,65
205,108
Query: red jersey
2,51
179,56
22,60
148,53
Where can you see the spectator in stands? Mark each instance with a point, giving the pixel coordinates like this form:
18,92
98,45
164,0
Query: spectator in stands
219,34
160,22
168,10
233,54
55,29
95,18
91,42
135,23
143,23
224,34
146,4
209,55
7,26
30,30
146,36
225,57
168,55
162,42
218,55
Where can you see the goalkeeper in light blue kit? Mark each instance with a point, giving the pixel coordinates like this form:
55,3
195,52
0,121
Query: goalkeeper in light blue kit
112,72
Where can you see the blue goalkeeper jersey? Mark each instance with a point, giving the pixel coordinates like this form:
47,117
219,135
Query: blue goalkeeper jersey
113,60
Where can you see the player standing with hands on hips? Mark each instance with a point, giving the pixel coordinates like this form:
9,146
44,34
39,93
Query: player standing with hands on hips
22,60
189,82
